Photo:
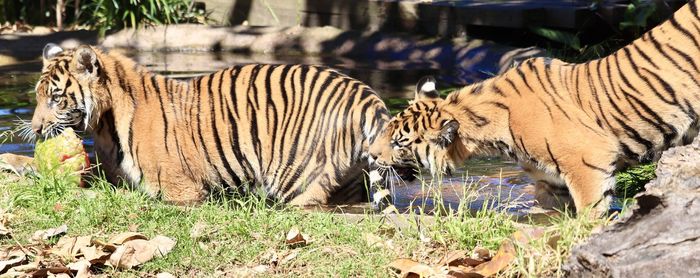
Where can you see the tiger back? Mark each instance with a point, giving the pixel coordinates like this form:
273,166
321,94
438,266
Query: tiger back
300,132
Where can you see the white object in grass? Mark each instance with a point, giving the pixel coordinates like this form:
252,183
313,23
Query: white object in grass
374,177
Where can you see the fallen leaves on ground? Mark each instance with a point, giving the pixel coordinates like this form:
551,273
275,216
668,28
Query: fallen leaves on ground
47,234
480,262
80,256
295,238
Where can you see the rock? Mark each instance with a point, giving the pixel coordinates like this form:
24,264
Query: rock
660,238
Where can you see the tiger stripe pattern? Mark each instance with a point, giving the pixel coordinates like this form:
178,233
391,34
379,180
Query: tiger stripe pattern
571,126
300,132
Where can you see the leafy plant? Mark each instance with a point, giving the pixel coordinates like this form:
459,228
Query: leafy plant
107,15
566,38
637,14
632,180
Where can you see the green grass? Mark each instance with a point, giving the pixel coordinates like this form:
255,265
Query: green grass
242,232
632,180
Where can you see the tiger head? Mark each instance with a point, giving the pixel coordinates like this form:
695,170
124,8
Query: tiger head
66,93
421,136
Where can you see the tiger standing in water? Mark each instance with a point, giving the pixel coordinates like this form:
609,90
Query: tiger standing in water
570,126
300,132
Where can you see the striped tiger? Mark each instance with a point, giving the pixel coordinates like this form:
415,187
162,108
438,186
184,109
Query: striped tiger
570,126
299,132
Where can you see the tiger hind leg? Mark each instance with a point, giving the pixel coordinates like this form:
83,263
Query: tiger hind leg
178,189
592,189
314,193
550,192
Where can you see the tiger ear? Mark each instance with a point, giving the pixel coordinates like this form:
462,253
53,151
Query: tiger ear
50,51
85,62
426,88
448,132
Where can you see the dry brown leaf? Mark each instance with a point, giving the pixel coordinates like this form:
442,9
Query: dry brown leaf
295,238
122,258
289,257
165,275
503,258
94,255
244,271
49,233
104,245
133,227
199,230
462,272
459,258
138,251
14,258
420,270
71,246
164,245
50,272
553,240
132,253
376,241
481,253
408,267
270,257
26,267
125,237
82,268
402,265
524,236
13,274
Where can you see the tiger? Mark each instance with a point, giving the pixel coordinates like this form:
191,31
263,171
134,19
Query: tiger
571,126
300,133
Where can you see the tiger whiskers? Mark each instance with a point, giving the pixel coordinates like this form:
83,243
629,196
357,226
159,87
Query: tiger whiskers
23,129
53,130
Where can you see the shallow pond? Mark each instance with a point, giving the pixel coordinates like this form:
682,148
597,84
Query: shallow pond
499,182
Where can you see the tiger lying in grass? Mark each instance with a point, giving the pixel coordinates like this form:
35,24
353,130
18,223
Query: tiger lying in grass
300,132
571,126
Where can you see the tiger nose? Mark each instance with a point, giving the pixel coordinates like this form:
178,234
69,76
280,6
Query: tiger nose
37,127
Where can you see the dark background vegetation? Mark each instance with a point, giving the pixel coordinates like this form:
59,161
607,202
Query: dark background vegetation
102,15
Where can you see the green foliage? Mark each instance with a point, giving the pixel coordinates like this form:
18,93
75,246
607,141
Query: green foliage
566,38
637,14
107,15
632,180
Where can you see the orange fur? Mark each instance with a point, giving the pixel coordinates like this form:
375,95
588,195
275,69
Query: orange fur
300,132
571,126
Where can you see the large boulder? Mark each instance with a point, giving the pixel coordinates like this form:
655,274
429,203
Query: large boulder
661,237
